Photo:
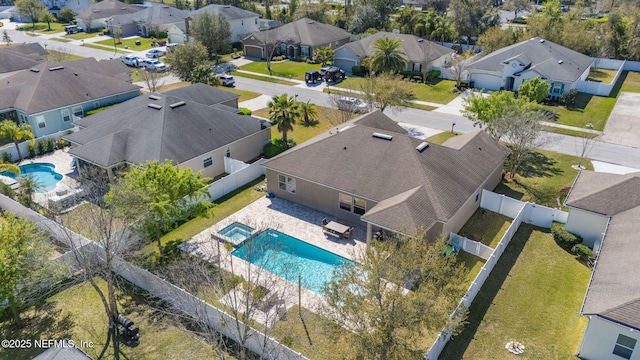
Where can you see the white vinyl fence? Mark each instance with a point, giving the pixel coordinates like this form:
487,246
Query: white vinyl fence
472,247
191,305
239,176
520,212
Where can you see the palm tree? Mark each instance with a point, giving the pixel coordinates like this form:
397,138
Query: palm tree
283,112
10,130
387,55
9,168
441,29
308,114
29,185
323,55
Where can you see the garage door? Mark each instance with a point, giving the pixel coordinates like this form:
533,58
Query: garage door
253,51
486,81
344,64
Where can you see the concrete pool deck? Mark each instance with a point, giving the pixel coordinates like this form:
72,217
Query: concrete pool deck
290,218
62,161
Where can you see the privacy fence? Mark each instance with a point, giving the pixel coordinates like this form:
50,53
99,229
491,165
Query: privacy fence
520,212
240,174
182,300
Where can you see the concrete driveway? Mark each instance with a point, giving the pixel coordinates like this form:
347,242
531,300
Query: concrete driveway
623,126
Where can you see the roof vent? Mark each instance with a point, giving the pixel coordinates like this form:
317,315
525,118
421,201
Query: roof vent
56,68
560,61
35,70
422,147
310,22
420,40
178,104
154,97
541,40
123,8
155,106
382,136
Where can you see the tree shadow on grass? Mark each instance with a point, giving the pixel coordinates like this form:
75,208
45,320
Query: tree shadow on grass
537,165
457,346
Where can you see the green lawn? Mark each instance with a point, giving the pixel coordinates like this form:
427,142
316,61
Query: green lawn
287,69
442,137
440,93
486,227
244,94
136,76
80,36
145,43
570,132
77,313
60,40
105,48
327,117
533,296
264,78
542,177
43,27
604,76
67,56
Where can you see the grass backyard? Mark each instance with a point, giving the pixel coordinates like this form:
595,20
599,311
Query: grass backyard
77,313
442,137
264,78
286,69
43,27
327,117
145,43
533,266
67,56
441,92
105,48
604,76
81,35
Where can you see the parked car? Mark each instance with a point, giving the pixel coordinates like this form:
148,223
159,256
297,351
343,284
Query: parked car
312,76
172,46
352,105
323,70
226,80
334,74
155,53
72,29
130,60
153,65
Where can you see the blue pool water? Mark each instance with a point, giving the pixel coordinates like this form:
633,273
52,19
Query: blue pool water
238,232
44,174
289,257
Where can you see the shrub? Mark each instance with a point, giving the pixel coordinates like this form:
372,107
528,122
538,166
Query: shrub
162,35
61,143
569,97
274,148
519,20
433,74
583,251
105,31
41,146
32,149
409,74
245,111
50,145
151,34
358,70
562,236
7,158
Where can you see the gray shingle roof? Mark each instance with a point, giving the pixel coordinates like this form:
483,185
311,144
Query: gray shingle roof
153,15
304,31
382,170
230,12
133,132
203,94
614,290
415,49
107,8
550,60
23,56
41,88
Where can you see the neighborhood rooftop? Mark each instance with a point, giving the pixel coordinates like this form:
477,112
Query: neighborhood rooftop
415,49
303,31
20,57
230,12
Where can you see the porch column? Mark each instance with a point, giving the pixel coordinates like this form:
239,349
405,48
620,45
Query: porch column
369,230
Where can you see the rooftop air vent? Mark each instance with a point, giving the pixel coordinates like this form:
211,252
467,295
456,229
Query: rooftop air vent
123,8
541,40
311,22
560,61
155,106
56,68
382,136
422,147
177,104
420,40
35,70
154,97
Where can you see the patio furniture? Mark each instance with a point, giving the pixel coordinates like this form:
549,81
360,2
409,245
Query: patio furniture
335,229
324,222
348,233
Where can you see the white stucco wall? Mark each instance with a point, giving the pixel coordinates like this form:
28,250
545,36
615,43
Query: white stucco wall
241,28
600,338
590,226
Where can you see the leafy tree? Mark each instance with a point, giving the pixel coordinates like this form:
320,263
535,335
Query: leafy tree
471,17
25,268
283,112
308,114
442,29
371,299
618,36
117,35
387,55
552,10
323,55
534,89
184,59
31,9
6,38
364,17
517,6
171,195
522,129
496,38
486,111
213,31
386,90
66,14
46,16
203,74
16,133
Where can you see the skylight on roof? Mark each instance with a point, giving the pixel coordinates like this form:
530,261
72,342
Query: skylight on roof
154,97
382,136
422,147
155,106
177,104
56,68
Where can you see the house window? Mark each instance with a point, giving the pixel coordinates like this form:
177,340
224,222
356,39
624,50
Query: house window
208,161
304,51
345,202
624,346
77,111
352,204
287,184
359,206
40,121
65,115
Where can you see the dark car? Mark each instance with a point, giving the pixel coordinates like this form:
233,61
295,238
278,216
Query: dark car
312,76
334,74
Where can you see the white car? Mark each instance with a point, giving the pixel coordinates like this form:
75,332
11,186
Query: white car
352,104
172,46
153,65
226,80
154,53
130,60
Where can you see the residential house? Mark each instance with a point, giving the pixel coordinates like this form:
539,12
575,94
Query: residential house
97,15
55,6
604,209
20,57
149,22
242,22
509,67
295,39
420,55
49,95
195,127
371,171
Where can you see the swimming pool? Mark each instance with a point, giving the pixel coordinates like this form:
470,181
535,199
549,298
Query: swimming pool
289,257
44,174
237,232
